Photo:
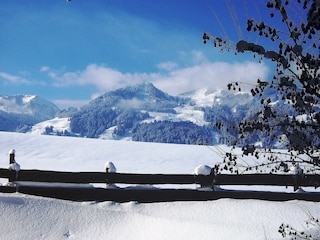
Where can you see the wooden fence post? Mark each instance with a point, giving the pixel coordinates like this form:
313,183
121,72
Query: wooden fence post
297,177
14,167
208,176
13,174
110,168
11,156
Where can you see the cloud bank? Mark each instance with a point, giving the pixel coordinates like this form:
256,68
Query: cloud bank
173,80
96,79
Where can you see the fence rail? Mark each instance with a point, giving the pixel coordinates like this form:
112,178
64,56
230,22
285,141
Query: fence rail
152,195
132,178
157,195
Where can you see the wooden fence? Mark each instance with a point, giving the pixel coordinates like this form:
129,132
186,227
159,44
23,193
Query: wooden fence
150,194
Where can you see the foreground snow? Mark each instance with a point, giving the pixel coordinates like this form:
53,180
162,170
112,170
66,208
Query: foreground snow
28,217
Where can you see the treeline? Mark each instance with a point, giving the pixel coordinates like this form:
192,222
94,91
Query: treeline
172,132
92,122
13,122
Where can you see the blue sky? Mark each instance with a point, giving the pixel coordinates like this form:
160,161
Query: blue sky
71,52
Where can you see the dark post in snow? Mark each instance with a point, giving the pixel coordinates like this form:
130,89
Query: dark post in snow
204,171
13,174
110,168
297,177
11,156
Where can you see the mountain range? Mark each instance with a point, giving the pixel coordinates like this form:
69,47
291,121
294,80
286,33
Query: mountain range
138,113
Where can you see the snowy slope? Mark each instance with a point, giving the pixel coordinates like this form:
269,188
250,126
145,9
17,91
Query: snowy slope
57,124
203,97
27,217
69,153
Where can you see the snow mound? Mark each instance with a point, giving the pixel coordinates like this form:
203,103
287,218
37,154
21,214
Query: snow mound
296,169
14,167
203,170
109,166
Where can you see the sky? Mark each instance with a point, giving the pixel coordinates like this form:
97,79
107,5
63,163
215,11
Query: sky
72,52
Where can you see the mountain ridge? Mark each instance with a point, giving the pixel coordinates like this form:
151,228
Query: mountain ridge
145,113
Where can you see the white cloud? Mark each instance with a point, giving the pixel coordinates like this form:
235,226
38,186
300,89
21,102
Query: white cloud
198,57
14,79
66,103
214,75
167,66
44,69
104,78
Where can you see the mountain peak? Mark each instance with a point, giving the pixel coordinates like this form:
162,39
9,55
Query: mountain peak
145,92
148,91
28,104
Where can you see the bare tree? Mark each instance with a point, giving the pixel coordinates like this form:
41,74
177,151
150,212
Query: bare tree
311,232
293,41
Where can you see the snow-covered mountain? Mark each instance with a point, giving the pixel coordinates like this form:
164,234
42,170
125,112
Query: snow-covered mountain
145,113
19,112
28,104
141,113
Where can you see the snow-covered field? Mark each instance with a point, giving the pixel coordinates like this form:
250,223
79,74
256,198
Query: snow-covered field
28,217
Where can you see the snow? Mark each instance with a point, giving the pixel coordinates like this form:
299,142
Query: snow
28,98
85,154
12,151
26,104
159,116
108,133
29,217
296,170
9,104
58,124
109,166
204,97
190,113
186,113
203,170
14,166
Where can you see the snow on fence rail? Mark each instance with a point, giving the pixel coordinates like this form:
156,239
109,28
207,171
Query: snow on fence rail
295,181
